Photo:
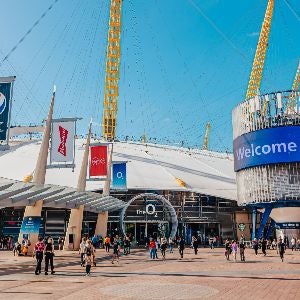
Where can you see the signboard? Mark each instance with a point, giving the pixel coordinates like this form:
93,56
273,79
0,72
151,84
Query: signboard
5,105
150,210
98,160
289,225
62,141
267,146
30,225
119,181
242,226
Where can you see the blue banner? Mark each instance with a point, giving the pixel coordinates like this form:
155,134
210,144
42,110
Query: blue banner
30,225
289,225
267,146
119,176
5,89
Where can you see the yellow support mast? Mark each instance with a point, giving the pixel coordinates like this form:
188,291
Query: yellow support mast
205,144
111,88
292,102
260,54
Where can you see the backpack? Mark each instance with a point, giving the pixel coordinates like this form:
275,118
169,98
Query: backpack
88,251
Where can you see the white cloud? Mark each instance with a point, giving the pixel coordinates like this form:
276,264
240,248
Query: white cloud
167,120
253,34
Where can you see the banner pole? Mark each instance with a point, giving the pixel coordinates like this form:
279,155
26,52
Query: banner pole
51,144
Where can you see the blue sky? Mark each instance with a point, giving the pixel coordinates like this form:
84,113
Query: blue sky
183,63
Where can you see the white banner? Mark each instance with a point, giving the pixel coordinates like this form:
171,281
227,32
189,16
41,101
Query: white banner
62,141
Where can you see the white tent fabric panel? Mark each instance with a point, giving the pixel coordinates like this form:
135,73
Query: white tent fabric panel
149,167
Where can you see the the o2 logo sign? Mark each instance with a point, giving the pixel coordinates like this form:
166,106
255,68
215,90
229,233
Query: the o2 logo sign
150,210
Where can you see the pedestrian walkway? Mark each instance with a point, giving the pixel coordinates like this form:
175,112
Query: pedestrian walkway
137,277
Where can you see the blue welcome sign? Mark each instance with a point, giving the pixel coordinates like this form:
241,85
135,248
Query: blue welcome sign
267,146
30,225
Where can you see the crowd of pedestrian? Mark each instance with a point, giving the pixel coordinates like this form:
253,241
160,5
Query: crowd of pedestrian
6,242
232,247
44,248
88,248
162,244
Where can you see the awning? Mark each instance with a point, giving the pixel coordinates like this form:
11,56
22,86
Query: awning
17,193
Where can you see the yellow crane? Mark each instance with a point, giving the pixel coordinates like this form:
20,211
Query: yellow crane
260,54
205,144
292,102
111,88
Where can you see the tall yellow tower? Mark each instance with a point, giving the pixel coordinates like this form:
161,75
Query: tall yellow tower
111,88
260,54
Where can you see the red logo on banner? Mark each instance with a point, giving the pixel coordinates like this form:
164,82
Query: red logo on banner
63,133
98,161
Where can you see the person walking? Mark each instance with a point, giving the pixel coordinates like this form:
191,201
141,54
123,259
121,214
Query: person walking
293,244
95,241
255,246
128,239
126,244
195,244
242,250
281,248
152,248
211,243
171,244
214,241
264,247
60,243
234,248
273,244
39,248
17,248
49,255
88,257
242,239
82,251
181,246
116,250
227,249
107,243
163,248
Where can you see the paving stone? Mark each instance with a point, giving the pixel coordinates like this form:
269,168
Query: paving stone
137,277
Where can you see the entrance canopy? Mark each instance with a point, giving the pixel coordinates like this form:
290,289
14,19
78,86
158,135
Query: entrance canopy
17,193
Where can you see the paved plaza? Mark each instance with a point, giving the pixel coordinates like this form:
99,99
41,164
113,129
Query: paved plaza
137,277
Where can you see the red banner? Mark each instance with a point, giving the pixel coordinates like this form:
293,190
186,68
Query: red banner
98,161
63,133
